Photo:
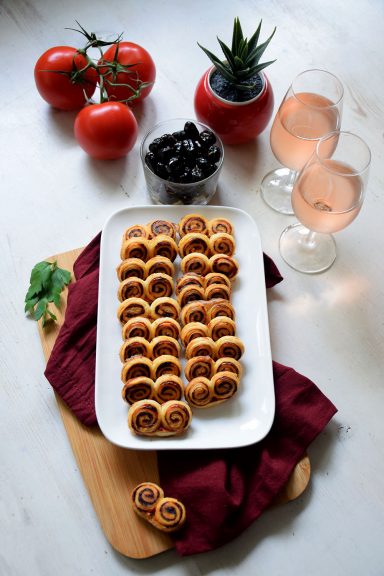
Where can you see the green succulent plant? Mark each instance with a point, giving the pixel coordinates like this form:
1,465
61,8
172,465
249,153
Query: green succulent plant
242,60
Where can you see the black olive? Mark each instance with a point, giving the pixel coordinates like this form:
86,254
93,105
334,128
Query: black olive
214,154
191,130
207,138
161,170
167,140
154,145
186,176
197,174
174,166
177,148
209,169
150,160
180,135
165,154
199,148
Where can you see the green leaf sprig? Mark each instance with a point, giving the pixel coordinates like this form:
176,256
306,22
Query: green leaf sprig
46,284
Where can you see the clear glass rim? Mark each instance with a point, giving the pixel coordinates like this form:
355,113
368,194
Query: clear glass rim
339,133
334,104
186,185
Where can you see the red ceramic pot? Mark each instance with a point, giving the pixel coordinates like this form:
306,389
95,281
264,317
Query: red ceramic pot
234,122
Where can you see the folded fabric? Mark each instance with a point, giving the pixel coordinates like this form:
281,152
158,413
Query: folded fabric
224,490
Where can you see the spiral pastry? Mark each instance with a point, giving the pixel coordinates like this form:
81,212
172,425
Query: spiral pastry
196,262
166,364
136,389
168,387
132,308
137,327
216,278
145,497
165,307
222,243
194,242
224,264
135,347
215,291
189,279
199,366
228,365
144,417
229,347
203,346
192,223
190,294
132,267
193,330
162,228
199,392
169,516
195,312
218,225
166,327
176,417
221,326
136,367
220,308
158,285
159,264
131,288
136,248
136,231
225,385
164,246
164,345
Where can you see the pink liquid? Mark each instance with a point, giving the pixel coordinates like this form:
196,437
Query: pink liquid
299,123
324,201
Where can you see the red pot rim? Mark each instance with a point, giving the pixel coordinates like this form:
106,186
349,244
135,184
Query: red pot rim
229,102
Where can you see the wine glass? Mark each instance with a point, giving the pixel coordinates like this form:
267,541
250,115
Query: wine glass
311,108
327,196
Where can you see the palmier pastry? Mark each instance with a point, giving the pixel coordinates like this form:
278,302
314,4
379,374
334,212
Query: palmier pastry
136,389
193,330
136,231
144,417
194,312
162,227
192,223
216,278
168,387
131,288
199,366
225,385
190,279
166,327
131,308
159,264
194,242
219,225
137,327
222,243
164,246
165,307
203,346
228,365
158,285
220,308
199,392
145,497
136,346
190,294
136,367
196,262
214,291
136,248
176,416
169,516
221,326
229,347
163,345
224,264
166,364
132,267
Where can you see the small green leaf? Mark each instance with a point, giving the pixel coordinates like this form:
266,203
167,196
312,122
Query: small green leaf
227,53
51,314
41,308
30,303
255,38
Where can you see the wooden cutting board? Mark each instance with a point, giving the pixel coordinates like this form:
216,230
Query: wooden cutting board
111,472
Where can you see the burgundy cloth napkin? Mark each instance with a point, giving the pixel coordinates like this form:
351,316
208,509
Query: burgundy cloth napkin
224,490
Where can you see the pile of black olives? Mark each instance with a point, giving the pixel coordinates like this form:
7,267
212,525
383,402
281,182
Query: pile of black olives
185,156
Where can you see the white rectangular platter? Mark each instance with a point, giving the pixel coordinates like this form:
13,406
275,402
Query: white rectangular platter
244,419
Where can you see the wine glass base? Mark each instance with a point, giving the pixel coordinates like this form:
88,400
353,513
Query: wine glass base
304,253
276,190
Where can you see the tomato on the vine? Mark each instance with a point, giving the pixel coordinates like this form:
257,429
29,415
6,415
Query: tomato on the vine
142,70
58,81
106,131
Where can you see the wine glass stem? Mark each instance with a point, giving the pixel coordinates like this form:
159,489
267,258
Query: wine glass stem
309,238
292,178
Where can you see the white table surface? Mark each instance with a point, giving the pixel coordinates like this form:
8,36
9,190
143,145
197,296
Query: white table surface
330,327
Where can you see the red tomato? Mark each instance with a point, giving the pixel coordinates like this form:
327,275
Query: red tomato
59,90
144,70
106,131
